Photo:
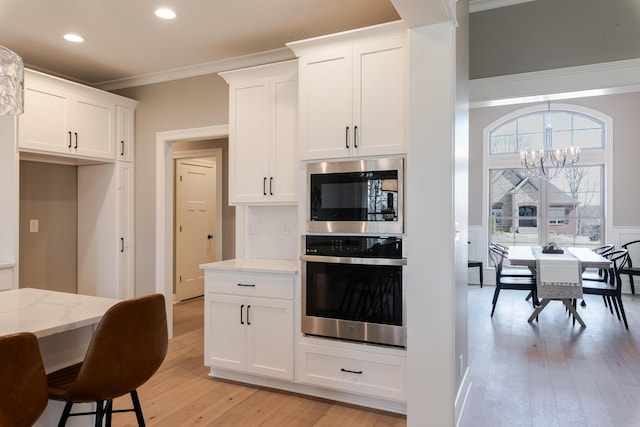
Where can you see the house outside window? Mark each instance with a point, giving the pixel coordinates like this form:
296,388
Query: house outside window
569,209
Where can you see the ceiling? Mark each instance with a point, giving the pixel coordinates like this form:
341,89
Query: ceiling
125,40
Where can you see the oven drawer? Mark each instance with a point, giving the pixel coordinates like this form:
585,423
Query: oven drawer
362,372
250,284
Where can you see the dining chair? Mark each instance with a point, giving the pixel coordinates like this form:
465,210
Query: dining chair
127,348
629,269
511,271
611,291
599,274
523,283
23,382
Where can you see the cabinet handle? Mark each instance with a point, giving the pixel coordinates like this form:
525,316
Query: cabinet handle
122,148
264,186
248,321
121,244
247,285
271,186
76,134
355,137
351,372
69,146
346,137
241,319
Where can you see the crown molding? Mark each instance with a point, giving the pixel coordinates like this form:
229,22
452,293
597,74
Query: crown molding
480,5
561,83
214,67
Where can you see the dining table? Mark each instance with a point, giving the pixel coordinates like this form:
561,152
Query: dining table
63,323
560,263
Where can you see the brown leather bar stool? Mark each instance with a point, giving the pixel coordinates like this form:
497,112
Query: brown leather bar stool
23,382
127,348
478,264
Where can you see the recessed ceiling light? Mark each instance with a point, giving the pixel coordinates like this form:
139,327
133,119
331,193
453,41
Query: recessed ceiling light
73,38
165,13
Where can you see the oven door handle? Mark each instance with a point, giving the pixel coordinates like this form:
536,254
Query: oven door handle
348,260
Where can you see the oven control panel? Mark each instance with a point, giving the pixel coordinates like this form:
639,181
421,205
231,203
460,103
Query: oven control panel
354,246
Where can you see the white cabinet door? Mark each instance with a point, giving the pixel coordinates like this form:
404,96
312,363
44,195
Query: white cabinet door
380,97
94,128
124,133
352,100
326,104
283,135
225,332
270,337
248,141
126,237
44,125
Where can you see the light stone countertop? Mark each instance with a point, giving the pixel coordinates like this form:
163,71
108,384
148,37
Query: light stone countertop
254,265
46,313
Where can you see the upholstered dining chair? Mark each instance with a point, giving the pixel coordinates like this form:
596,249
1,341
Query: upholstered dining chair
127,348
23,382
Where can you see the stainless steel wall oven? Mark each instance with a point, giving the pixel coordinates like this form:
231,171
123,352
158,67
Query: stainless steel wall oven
353,289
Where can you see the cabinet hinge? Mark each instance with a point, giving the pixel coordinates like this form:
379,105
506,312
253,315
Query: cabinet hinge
180,280
181,229
180,178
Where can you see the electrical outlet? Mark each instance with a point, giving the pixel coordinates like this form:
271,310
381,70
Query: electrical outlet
286,228
33,226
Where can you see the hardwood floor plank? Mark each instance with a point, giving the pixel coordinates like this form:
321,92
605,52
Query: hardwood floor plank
576,376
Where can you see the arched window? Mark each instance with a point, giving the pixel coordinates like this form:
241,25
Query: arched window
569,209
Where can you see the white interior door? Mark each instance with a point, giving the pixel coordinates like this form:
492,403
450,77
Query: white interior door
195,225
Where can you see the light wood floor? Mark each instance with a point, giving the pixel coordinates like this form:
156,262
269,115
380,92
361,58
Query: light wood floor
181,393
551,373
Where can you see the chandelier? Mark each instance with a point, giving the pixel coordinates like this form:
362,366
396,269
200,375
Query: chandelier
547,163
11,83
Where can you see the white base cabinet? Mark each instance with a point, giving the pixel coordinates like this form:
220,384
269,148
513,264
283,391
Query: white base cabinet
249,323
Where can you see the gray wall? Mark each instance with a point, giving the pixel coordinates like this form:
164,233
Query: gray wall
181,104
48,258
546,34
623,108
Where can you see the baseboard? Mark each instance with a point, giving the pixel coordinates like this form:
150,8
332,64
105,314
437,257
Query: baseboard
462,396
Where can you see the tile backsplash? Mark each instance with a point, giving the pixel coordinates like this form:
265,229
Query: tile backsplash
271,232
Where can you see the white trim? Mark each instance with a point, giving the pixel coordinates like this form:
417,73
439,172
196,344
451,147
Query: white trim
480,5
164,204
214,67
561,83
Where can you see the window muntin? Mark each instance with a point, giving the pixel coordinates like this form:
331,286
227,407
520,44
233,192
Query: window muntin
526,132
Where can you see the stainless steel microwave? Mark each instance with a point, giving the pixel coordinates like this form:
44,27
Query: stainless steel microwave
356,196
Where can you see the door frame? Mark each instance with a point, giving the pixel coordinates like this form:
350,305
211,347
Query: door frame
164,204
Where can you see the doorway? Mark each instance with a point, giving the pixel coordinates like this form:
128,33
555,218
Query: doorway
165,142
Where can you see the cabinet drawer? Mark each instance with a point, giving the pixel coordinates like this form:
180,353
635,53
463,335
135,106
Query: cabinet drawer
257,285
354,371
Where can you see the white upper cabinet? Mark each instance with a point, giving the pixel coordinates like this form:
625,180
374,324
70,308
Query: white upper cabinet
66,119
353,93
124,133
263,134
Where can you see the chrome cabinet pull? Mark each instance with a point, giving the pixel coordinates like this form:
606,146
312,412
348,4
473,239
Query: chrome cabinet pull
264,186
76,134
271,186
248,321
122,148
241,319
